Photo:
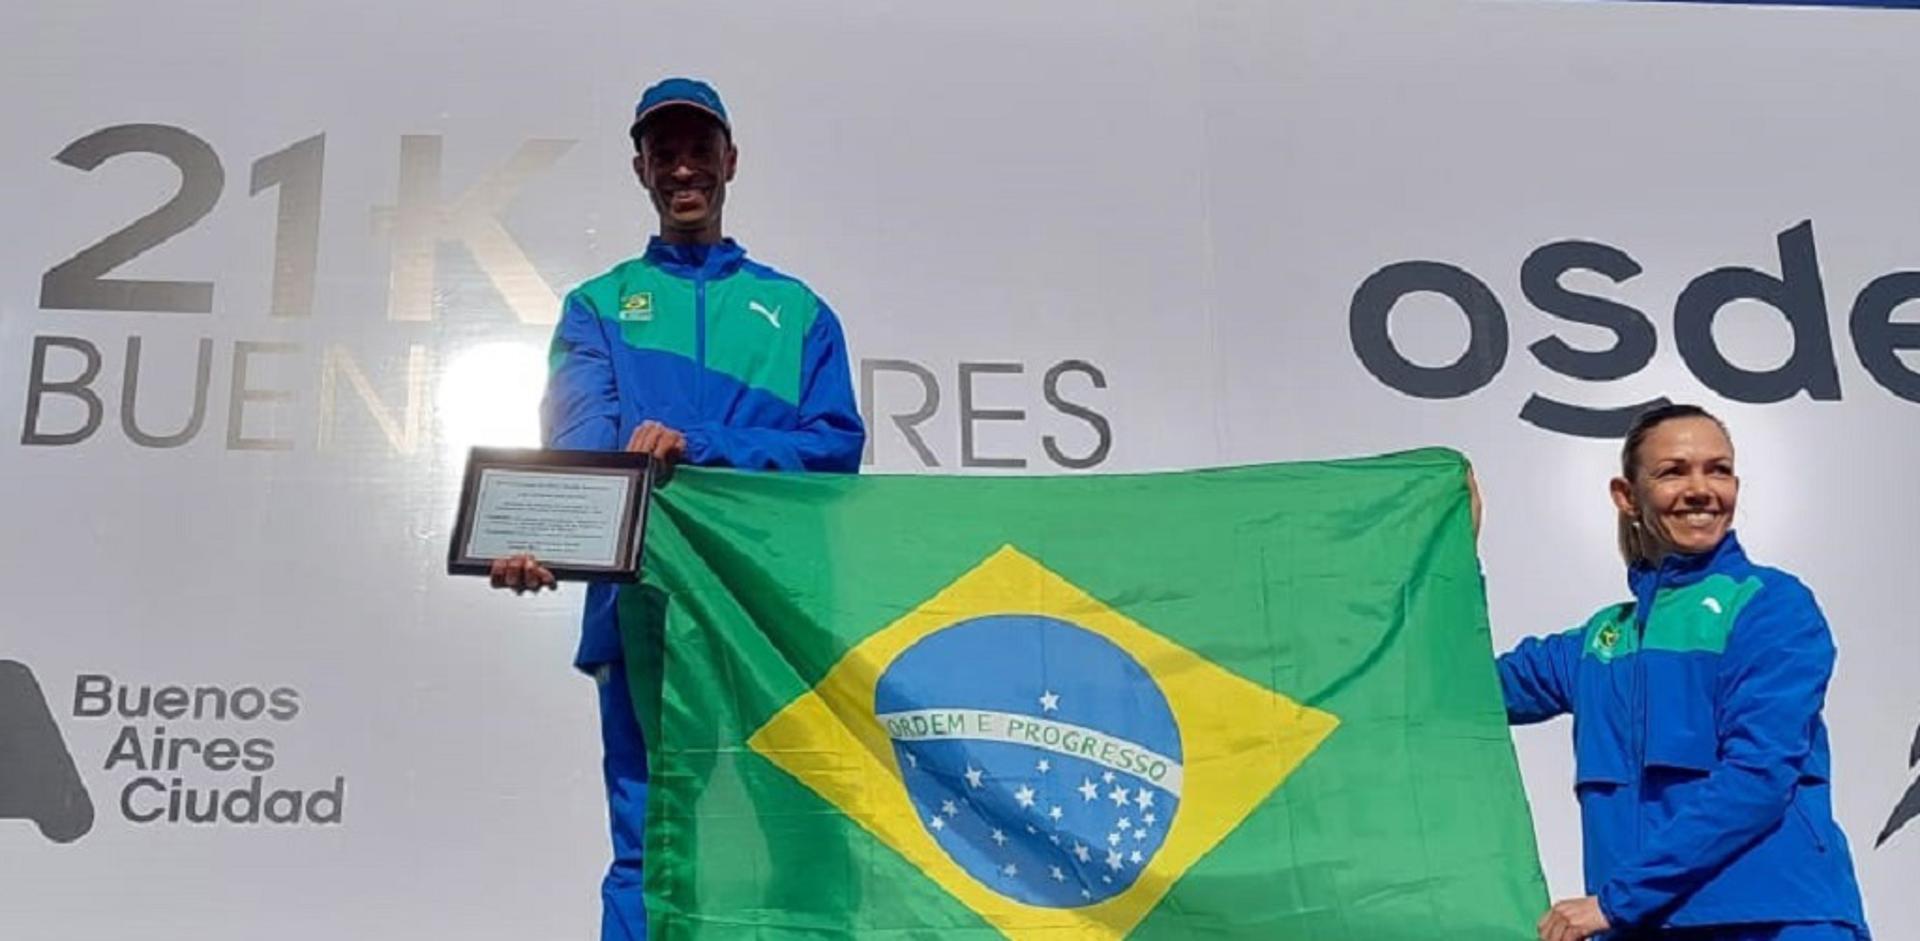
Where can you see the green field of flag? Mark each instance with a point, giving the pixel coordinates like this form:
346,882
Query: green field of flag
1254,702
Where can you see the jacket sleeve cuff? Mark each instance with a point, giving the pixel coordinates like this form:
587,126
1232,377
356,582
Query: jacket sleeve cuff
1618,914
699,445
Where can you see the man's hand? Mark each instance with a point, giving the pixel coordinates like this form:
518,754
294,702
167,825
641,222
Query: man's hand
521,574
1573,920
664,445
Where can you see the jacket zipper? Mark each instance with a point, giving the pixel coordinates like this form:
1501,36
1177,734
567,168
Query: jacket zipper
1640,619
699,338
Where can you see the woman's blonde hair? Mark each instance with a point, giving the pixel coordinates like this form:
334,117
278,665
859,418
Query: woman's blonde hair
1633,537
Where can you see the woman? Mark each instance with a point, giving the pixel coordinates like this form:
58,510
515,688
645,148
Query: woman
1701,760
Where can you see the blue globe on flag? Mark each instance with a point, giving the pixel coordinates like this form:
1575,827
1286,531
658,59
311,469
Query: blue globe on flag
1040,756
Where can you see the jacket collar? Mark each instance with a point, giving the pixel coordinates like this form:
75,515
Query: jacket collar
698,262
1682,569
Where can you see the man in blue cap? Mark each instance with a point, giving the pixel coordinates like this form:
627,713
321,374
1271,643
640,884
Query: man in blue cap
692,353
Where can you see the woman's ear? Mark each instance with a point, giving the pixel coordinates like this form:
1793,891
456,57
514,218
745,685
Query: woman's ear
1622,492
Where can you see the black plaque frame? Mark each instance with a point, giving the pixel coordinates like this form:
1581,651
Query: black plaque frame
637,468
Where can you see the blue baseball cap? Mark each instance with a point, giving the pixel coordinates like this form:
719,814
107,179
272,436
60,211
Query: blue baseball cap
680,93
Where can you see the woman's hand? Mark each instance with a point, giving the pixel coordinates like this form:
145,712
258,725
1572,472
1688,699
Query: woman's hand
1573,920
1473,492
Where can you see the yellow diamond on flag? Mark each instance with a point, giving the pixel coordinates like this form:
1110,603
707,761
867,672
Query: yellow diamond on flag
1064,808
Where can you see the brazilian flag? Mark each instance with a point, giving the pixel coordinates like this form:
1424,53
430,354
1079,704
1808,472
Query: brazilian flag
1255,702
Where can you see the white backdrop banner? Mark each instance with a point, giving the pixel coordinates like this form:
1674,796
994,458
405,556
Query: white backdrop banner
269,270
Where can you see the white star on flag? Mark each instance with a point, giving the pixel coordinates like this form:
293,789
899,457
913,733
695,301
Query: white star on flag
1135,858
1088,789
999,838
1107,778
1113,860
1049,701
1010,870
1044,766
1058,876
1140,834
1119,796
946,807
1144,799
1024,795
1150,818
973,776
938,822
1124,824
1056,813
911,760
1113,839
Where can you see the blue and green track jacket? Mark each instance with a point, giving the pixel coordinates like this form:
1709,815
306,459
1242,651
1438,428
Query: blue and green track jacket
747,362
1701,760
